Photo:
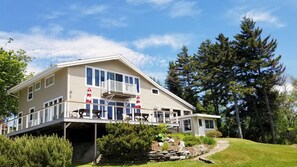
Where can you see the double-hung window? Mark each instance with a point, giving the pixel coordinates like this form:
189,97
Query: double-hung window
187,125
30,93
49,81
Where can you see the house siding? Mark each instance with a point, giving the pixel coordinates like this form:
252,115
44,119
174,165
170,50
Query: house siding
78,87
44,94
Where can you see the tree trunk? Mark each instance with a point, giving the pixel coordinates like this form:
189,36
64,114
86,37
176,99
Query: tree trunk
273,134
237,116
259,120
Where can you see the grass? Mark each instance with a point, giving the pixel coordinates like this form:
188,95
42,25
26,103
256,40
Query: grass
243,153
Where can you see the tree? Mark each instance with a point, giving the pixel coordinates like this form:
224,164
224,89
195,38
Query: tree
13,68
172,81
184,66
261,69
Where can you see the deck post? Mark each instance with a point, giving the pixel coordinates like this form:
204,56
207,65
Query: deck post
95,143
66,125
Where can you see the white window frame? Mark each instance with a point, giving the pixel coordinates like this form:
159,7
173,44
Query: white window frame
28,95
20,118
30,120
54,80
209,124
105,77
155,90
190,125
36,89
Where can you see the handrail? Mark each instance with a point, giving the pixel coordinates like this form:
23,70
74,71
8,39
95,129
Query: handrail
64,109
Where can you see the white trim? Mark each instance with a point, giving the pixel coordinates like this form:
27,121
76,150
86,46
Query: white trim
183,123
30,93
30,120
20,117
200,115
36,84
213,122
54,80
152,89
59,66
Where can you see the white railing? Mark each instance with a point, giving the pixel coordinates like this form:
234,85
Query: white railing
77,110
121,87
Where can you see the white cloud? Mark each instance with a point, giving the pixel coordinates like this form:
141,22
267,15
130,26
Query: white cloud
183,8
265,16
175,41
153,2
257,15
91,10
111,22
78,45
54,15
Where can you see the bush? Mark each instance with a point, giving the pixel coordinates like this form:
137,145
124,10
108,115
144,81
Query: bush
207,140
165,146
214,133
191,140
35,151
126,142
161,137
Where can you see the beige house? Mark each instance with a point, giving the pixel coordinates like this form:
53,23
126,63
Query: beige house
94,91
198,124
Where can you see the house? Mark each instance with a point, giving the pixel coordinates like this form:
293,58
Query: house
198,124
96,91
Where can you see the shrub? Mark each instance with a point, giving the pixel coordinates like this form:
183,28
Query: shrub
191,140
165,146
161,137
35,151
126,142
177,136
207,140
162,128
214,133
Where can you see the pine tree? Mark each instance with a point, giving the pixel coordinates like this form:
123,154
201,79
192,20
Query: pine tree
261,69
172,81
184,65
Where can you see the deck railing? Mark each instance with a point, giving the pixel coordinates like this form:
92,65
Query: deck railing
78,110
121,87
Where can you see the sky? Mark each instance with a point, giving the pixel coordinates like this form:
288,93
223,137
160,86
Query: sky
149,33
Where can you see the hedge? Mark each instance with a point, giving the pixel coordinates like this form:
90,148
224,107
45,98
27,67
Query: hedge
126,142
31,151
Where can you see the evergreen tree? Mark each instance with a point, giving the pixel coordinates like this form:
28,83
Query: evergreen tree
184,66
261,69
172,81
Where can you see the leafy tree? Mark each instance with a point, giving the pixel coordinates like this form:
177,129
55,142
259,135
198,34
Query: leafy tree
13,67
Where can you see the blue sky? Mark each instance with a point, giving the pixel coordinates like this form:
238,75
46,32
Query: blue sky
149,33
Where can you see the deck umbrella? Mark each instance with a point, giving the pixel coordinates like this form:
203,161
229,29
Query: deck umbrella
138,104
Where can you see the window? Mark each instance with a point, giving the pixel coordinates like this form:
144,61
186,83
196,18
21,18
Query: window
37,86
89,76
187,125
30,93
31,111
20,119
137,85
155,91
200,122
95,77
49,81
209,124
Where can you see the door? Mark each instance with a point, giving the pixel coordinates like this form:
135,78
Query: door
119,111
201,129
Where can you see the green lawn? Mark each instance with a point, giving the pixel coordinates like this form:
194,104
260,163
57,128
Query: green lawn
241,153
